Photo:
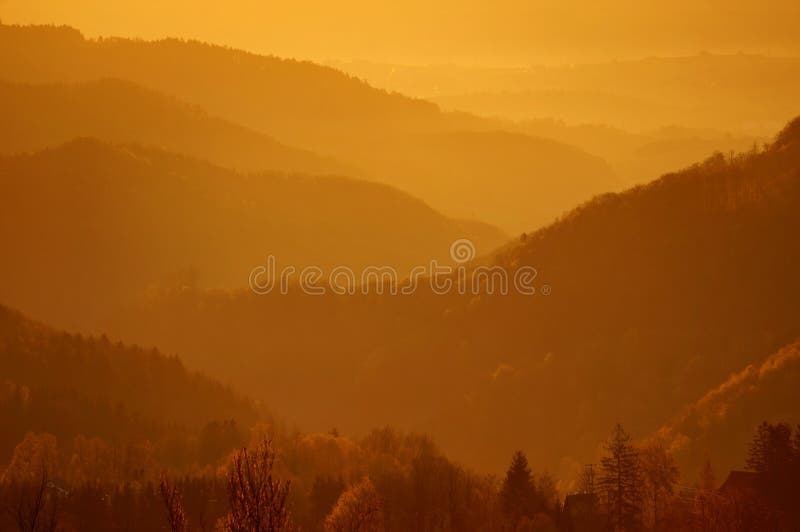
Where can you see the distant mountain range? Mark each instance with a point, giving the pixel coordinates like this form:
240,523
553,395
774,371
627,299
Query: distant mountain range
699,91
461,164
92,225
40,116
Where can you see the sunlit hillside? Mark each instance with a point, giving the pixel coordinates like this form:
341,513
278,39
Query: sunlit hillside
720,423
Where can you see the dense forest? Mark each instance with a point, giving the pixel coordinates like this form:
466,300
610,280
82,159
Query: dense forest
249,293
74,386
100,436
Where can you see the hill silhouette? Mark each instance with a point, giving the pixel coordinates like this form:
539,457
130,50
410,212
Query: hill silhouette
92,225
71,385
41,116
658,294
106,421
333,114
638,158
515,180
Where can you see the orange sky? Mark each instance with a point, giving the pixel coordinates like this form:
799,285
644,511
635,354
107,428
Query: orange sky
498,32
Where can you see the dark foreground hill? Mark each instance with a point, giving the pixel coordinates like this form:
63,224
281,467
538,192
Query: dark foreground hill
71,386
87,226
104,421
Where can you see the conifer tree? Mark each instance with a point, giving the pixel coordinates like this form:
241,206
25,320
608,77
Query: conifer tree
771,451
620,482
518,494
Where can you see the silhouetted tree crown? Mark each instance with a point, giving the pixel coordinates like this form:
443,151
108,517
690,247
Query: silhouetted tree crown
518,495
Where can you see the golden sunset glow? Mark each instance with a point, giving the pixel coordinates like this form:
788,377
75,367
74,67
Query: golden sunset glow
421,266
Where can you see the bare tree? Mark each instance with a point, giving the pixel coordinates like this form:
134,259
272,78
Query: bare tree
660,475
36,509
258,501
176,517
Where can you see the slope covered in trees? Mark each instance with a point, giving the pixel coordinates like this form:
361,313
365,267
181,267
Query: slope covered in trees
719,424
658,294
95,424
267,93
87,226
73,387
41,116
458,163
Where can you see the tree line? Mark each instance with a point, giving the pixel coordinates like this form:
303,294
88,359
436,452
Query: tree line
391,481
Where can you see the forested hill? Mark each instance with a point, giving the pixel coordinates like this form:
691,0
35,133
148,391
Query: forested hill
89,225
45,115
71,385
259,91
720,423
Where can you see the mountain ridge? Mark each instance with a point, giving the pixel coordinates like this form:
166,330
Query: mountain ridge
118,222
39,116
330,113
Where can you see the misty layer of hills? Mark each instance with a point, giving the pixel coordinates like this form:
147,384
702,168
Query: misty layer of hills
92,225
619,110
742,93
659,293
40,116
401,141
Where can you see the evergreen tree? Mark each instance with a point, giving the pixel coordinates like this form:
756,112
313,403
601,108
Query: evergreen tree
620,482
773,455
771,451
796,452
518,496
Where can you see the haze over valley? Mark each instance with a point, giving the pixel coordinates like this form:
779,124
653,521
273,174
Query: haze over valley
448,267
